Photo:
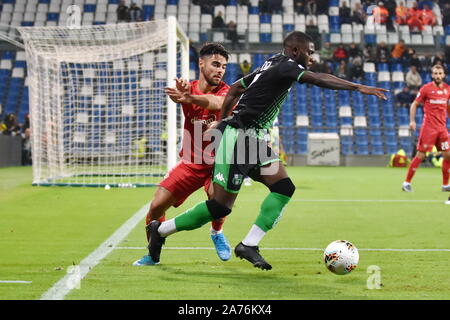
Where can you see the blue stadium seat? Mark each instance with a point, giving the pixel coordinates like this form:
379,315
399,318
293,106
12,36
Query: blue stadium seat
382,67
253,10
89,7
347,145
370,38
52,16
265,37
265,18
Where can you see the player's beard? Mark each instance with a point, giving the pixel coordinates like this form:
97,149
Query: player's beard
437,82
211,81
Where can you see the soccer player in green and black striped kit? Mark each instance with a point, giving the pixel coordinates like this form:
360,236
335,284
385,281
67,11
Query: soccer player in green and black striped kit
241,149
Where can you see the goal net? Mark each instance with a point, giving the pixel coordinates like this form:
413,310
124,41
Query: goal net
99,114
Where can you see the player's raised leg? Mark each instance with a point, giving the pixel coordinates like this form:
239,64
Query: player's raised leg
281,190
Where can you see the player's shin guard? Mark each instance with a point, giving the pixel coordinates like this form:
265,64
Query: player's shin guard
415,163
202,213
445,172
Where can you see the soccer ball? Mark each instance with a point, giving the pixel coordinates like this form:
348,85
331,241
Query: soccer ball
341,257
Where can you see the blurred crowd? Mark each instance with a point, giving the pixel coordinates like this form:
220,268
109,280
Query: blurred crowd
10,127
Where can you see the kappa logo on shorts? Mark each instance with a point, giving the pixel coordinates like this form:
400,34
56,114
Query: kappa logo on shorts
219,176
237,179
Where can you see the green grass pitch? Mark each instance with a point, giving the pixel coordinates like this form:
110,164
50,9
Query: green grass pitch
45,230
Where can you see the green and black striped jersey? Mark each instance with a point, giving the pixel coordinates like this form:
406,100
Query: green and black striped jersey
266,90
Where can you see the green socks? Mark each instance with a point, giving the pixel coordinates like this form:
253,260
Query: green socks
193,218
271,210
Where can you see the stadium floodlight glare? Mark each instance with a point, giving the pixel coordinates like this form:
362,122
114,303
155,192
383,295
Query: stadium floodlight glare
99,114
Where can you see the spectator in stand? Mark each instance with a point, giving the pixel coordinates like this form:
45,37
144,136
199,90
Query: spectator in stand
368,52
206,6
415,24
275,6
446,15
313,31
383,53
438,59
356,72
425,62
404,98
263,6
414,18
322,7
390,5
428,18
447,54
412,59
135,12
299,6
10,126
26,142
345,13
311,7
359,15
401,14
340,54
380,14
245,67
218,22
122,12
341,70
245,3
354,52
413,78
232,34
326,53
398,50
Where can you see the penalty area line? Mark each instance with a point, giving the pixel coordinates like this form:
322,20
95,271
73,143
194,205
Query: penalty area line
15,281
295,249
67,283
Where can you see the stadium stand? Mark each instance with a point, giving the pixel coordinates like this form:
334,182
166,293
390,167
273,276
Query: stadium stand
366,125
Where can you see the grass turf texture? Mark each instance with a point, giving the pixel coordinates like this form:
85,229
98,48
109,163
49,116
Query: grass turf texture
46,229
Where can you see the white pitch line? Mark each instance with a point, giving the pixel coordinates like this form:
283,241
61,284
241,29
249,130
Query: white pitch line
15,281
61,288
294,249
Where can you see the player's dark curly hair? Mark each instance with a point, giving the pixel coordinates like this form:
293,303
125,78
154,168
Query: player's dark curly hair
296,36
213,48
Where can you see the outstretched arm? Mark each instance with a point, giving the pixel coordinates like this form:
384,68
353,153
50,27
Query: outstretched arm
181,94
329,81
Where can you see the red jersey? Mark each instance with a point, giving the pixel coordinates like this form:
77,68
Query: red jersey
195,123
435,101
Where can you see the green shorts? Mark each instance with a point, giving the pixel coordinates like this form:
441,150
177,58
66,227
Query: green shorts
240,153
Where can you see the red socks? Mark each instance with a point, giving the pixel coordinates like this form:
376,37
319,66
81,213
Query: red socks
445,173
415,163
217,224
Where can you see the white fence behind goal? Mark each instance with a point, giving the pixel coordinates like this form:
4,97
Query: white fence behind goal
99,114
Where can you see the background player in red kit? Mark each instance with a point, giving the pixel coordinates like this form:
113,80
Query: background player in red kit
435,98
201,102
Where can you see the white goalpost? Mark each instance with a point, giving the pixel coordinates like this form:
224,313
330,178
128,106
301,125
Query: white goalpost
99,114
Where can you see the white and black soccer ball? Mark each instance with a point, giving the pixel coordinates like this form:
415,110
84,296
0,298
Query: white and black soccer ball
341,257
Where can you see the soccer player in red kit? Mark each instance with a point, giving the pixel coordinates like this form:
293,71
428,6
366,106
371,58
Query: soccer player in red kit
435,98
201,101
